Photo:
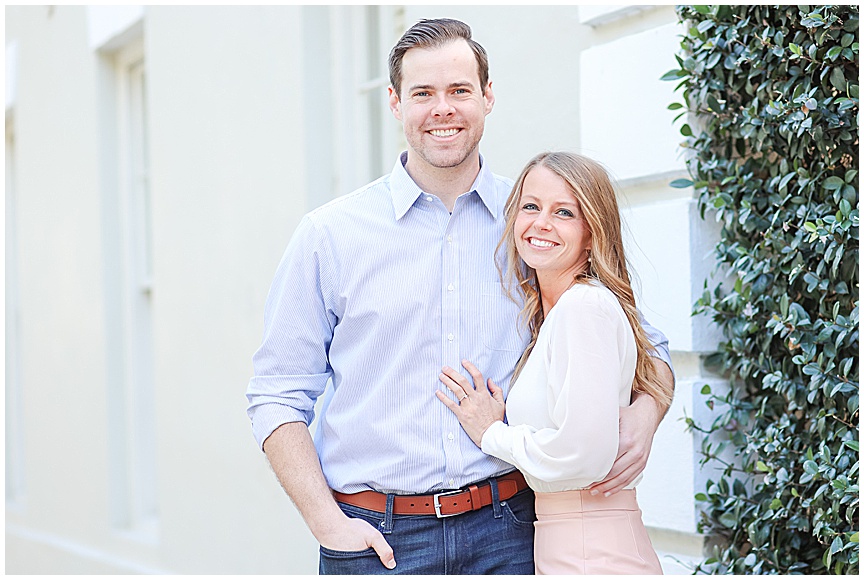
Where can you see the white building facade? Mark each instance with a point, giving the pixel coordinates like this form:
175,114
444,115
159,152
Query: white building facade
158,159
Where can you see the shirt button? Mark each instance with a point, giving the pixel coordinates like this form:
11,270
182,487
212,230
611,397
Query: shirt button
450,436
450,337
449,239
450,287
452,482
428,198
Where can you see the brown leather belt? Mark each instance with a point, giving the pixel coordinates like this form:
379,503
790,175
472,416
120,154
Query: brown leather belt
442,505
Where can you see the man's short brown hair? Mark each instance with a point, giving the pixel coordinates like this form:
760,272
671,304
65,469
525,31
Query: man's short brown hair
431,34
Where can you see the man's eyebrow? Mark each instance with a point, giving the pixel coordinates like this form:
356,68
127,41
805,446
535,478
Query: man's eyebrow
455,85
420,87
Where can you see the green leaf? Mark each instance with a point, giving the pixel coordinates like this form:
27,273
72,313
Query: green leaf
760,466
705,26
675,106
702,9
706,390
729,520
681,183
836,545
838,80
810,227
713,104
833,183
686,131
785,181
674,75
853,445
713,60
811,467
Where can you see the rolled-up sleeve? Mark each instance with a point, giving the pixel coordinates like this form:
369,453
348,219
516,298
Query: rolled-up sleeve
291,368
659,341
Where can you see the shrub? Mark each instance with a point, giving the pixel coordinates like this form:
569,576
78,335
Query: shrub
772,139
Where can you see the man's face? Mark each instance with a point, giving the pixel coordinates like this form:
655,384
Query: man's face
442,107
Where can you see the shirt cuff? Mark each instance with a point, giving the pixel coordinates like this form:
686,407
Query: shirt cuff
495,441
266,418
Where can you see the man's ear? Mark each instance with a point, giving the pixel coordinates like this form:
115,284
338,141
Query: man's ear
395,104
489,97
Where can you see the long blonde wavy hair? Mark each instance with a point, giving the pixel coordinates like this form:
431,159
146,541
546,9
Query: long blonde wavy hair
592,188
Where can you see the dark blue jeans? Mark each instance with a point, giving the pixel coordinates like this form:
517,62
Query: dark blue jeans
497,539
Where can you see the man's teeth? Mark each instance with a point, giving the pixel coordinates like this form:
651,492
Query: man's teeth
444,132
541,243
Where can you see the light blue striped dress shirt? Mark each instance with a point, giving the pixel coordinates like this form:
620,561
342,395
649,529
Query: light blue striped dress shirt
377,291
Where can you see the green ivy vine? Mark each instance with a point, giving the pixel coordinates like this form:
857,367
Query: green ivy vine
771,94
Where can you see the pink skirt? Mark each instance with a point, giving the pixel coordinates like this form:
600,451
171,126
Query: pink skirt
577,533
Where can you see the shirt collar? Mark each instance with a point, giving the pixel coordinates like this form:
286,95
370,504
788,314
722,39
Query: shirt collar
405,192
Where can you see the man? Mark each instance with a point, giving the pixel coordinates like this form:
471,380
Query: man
377,291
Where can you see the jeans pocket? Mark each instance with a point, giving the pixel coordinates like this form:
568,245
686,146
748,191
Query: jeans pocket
337,562
520,509
346,555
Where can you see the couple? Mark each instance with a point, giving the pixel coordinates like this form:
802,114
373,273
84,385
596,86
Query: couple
380,289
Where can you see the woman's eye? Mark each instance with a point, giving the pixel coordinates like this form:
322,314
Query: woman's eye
529,207
565,212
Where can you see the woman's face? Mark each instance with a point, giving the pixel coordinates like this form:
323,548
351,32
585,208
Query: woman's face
550,233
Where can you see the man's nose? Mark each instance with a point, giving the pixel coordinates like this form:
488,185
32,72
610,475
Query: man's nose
443,107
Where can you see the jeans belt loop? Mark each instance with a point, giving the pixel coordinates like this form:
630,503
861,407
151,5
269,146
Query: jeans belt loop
387,524
496,502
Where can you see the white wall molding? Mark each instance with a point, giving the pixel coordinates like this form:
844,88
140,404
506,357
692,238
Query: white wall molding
112,27
11,75
598,15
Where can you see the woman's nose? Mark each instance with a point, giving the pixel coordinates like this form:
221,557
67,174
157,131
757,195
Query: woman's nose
542,222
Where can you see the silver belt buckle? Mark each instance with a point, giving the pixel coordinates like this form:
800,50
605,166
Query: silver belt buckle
437,504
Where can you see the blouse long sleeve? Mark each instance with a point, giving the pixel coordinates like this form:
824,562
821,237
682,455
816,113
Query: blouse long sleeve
564,429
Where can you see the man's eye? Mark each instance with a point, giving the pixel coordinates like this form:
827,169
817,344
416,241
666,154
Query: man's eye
421,94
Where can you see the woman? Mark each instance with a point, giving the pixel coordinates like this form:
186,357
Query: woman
565,257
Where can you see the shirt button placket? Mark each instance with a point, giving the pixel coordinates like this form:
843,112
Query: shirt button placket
450,347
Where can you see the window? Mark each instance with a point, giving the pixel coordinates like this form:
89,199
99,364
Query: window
365,137
129,271
14,411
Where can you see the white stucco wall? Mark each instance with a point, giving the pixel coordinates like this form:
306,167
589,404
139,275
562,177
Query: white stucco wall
623,118
225,169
